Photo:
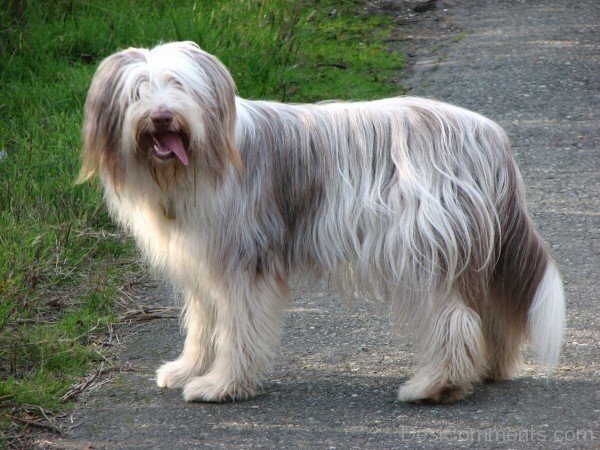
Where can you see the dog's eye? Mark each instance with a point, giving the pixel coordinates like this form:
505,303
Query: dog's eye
140,91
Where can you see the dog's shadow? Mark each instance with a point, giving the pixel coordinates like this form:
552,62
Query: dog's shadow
327,409
323,395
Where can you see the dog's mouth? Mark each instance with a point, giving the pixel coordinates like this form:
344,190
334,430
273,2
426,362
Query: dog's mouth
169,144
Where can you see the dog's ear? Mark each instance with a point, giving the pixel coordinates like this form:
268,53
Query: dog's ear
104,115
221,116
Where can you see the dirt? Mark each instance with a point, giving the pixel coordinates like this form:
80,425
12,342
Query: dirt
532,66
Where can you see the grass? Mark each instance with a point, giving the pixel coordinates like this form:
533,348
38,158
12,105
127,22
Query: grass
63,265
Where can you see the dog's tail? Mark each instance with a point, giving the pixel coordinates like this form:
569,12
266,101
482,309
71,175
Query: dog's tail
546,319
528,283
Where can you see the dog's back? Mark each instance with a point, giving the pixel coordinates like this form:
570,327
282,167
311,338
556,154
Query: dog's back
420,201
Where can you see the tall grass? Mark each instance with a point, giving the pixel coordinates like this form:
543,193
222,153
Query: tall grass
62,262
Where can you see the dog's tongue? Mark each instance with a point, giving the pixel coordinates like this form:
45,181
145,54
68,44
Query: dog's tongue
172,142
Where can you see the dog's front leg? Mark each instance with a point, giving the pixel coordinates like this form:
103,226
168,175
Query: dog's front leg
247,329
198,352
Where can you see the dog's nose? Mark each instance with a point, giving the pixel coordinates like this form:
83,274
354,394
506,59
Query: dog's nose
162,119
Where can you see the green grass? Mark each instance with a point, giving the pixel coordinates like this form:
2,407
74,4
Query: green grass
62,262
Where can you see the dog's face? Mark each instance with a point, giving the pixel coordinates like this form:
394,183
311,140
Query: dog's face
168,109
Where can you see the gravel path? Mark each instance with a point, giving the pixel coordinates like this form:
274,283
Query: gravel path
532,66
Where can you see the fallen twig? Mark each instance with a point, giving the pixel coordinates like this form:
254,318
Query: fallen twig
84,384
147,313
338,65
31,416
36,423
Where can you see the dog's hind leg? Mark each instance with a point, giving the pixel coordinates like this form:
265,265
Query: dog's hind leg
197,354
454,355
247,329
504,340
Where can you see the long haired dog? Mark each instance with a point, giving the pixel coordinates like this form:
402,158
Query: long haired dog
411,200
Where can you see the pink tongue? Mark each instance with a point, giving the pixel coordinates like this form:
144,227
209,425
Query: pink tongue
173,142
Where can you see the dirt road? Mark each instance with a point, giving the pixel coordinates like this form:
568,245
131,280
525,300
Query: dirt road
534,67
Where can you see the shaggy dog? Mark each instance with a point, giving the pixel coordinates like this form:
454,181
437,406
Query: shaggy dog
414,201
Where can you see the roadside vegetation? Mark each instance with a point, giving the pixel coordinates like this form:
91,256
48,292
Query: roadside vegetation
67,275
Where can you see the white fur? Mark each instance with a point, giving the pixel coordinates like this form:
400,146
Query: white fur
547,318
410,200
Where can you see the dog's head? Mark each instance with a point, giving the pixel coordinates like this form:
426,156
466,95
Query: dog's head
168,109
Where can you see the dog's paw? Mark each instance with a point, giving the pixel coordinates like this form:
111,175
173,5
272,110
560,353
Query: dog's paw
420,391
174,374
212,388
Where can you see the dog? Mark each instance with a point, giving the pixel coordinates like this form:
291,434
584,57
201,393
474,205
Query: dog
413,201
